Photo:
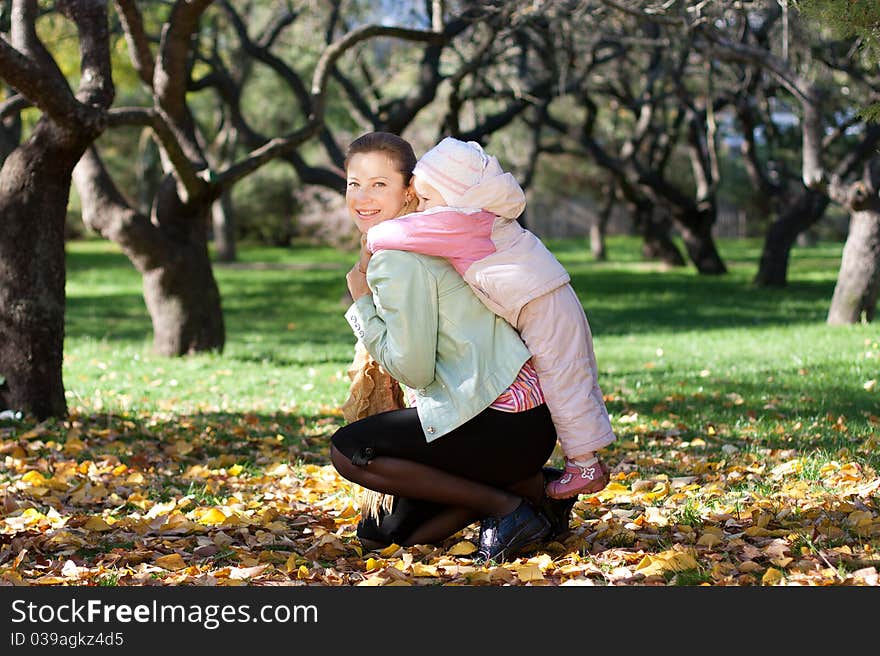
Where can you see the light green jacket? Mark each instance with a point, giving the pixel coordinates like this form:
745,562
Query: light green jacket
428,329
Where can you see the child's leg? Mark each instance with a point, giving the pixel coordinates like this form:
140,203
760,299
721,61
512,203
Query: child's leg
557,332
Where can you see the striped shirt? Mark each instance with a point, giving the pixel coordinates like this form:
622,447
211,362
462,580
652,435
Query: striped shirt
523,394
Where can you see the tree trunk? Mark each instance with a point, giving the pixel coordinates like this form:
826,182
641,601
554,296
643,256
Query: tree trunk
10,135
223,222
797,217
184,303
696,231
599,227
169,249
34,189
180,292
658,244
597,238
855,294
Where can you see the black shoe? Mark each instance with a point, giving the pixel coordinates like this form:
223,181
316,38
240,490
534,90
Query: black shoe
502,538
369,535
557,511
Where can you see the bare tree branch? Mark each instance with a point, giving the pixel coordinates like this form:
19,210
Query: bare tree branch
138,44
31,71
96,80
107,212
23,35
172,74
276,26
168,138
336,49
807,94
14,105
331,54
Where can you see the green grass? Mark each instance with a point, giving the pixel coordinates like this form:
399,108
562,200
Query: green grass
288,345
708,358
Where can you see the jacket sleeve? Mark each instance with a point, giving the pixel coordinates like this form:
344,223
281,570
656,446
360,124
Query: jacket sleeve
442,234
398,323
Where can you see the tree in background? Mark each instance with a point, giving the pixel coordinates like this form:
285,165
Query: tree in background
34,189
858,282
793,74
170,246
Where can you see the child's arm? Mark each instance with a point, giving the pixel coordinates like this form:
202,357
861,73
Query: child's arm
460,238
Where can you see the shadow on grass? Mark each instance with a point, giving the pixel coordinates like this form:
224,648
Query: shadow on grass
624,302
306,307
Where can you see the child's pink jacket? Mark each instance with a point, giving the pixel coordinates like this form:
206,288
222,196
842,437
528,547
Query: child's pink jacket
506,265
514,275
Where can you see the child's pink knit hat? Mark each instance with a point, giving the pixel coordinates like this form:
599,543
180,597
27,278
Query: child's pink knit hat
469,178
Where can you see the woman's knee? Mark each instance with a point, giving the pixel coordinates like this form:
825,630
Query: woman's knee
342,463
353,445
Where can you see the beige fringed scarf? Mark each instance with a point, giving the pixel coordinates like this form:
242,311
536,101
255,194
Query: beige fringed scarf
372,390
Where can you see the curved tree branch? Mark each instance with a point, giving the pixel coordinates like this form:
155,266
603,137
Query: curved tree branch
168,138
281,145
801,88
172,73
138,44
14,105
96,80
50,94
107,212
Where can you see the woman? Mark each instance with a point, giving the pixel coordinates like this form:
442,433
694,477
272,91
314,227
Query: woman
474,445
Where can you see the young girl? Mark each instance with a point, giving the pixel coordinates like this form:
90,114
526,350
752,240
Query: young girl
467,214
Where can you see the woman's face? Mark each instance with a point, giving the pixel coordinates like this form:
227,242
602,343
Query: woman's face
375,191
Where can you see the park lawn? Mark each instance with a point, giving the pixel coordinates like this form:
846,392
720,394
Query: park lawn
746,452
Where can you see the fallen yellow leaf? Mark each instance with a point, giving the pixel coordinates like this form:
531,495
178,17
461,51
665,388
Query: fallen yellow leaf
33,477
462,548
390,550
97,524
420,569
771,577
670,560
529,572
171,561
213,517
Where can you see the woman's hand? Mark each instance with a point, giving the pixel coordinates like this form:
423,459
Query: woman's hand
357,282
365,255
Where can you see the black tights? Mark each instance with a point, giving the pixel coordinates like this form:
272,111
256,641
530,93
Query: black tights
482,468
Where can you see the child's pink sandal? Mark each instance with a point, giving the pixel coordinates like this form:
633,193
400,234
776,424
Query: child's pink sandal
577,479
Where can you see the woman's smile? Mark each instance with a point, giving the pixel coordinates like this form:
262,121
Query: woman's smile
375,189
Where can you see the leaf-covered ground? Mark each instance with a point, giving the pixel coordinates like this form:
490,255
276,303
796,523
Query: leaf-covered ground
245,499
747,451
